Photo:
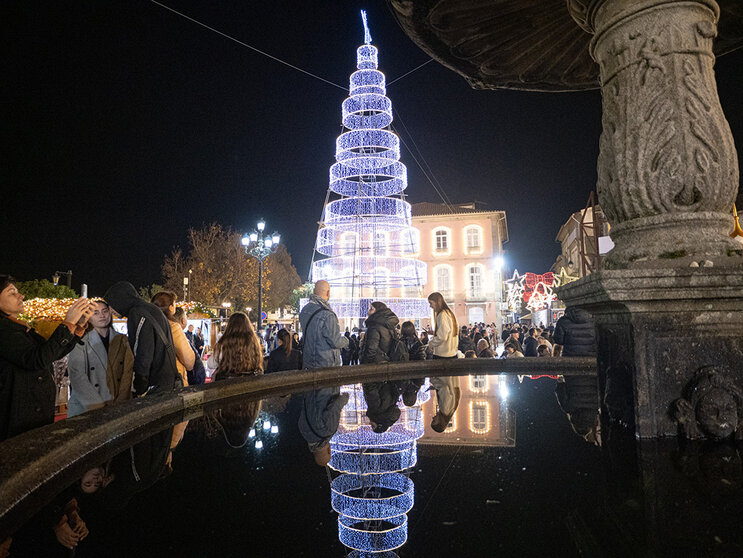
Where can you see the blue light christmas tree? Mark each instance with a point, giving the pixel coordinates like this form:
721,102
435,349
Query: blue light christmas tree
366,230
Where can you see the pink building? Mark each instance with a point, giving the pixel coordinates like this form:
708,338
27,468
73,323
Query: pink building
462,246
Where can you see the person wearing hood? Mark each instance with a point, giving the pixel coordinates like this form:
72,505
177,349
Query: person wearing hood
380,334
150,339
381,397
575,333
27,388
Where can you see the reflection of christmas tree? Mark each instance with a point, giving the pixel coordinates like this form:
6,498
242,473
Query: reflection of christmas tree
366,231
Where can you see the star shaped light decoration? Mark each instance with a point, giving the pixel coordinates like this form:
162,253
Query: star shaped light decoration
563,278
515,291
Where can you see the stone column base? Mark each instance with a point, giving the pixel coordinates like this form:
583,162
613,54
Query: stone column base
656,329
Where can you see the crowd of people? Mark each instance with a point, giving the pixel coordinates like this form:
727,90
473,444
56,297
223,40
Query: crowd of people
162,353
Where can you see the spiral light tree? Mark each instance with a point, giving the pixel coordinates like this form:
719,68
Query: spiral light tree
366,232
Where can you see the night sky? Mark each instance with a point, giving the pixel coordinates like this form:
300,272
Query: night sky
125,124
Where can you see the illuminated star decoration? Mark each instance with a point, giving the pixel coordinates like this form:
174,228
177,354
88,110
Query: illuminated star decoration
563,278
515,291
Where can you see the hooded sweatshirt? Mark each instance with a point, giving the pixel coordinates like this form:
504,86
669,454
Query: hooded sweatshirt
149,337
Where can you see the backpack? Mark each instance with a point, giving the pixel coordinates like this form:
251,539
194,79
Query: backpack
399,351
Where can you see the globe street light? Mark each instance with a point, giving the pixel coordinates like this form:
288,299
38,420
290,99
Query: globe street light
260,246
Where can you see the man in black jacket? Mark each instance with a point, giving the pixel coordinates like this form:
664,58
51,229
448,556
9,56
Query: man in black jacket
150,339
530,344
576,333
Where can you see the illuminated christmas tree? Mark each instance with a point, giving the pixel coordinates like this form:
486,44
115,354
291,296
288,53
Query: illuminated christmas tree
366,230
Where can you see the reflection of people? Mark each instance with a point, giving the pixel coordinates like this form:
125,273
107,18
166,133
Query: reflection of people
578,397
444,345
711,407
321,409
101,369
27,388
381,404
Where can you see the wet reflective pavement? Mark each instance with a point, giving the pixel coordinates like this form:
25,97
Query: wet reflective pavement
509,477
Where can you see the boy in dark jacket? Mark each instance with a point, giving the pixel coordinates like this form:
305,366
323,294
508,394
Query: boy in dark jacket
576,333
150,338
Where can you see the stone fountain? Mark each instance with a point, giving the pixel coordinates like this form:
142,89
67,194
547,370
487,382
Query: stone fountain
668,301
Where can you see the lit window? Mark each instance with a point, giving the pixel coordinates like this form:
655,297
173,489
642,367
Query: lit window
442,241
442,280
348,242
473,240
380,244
474,282
479,417
479,383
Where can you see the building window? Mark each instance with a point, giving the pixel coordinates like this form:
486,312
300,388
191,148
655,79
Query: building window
473,240
474,282
479,417
442,280
380,244
479,383
442,241
348,243
477,315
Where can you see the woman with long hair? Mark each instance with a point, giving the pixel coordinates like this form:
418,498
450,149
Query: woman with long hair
444,344
285,356
239,352
185,356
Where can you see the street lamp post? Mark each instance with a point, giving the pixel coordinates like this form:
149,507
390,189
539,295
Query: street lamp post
68,273
260,246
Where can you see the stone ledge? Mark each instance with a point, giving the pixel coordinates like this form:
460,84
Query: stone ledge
721,286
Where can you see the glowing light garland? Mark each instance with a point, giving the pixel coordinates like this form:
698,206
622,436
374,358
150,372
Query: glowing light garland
56,308
536,291
367,233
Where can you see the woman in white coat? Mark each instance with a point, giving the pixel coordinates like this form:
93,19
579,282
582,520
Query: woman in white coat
444,344
101,369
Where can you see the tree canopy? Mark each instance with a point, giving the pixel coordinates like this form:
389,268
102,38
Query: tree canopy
43,288
219,270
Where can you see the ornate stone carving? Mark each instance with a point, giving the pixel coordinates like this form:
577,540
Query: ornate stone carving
522,44
668,170
711,406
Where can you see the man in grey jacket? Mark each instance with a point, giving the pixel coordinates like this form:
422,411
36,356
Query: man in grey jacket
321,408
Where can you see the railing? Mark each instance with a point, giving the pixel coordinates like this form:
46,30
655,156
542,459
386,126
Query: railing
37,465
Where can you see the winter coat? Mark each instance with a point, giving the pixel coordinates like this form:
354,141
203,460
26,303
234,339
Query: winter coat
465,343
278,360
530,346
150,339
486,353
197,374
27,388
446,339
578,393
381,403
380,337
184,353
416,349
320,416
575,332
97,375
322,340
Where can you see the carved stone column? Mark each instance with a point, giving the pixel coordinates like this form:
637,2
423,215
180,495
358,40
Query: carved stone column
668,170
668,302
